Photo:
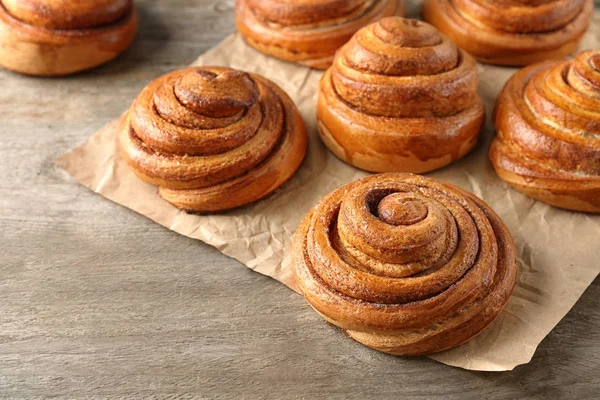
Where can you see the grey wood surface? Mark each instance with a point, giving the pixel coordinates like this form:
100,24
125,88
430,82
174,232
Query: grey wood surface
98,302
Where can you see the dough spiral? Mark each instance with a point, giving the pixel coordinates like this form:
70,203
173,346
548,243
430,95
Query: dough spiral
405,264
60,37
512,32
307,31
548,141
213,138
400,97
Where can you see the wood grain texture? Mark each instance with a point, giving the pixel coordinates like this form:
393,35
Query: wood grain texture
98,302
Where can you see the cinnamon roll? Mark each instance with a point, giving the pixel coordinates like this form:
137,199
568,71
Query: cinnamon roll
60,37
512,32
405,264
548,123
400,97
213,138
307,31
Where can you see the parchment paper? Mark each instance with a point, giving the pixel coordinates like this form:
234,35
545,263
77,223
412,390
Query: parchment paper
558,253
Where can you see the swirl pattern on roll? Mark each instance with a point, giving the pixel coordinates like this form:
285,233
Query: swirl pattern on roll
59,37
512,32
308,32
213,138
405,264
548,141
400,97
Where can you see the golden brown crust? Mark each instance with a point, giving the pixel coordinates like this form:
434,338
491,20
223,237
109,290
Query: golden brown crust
308,32
60,37
405,264
213,138
400,97
67,14
548,123
511,32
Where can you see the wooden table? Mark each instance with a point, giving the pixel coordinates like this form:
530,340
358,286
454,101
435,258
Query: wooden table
99,302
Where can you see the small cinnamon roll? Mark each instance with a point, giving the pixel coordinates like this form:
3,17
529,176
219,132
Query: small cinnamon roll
405,264
213,138
512,32
60,37
548,132
400,97
307,31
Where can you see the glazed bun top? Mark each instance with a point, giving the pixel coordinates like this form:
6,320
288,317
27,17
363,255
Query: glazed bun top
521,16
68,14
301,12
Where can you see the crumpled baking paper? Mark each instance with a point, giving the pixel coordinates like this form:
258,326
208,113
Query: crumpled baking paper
558,256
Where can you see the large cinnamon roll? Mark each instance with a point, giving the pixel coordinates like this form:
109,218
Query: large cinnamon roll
548,142
59,37
512,32
307,31
400,97
405,264
213,138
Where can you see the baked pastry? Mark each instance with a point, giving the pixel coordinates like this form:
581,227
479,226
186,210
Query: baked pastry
405,264
60,37
512,32
548,123
307,31
213,138
400,97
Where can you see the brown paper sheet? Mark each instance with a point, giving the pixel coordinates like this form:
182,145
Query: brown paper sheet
557,249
